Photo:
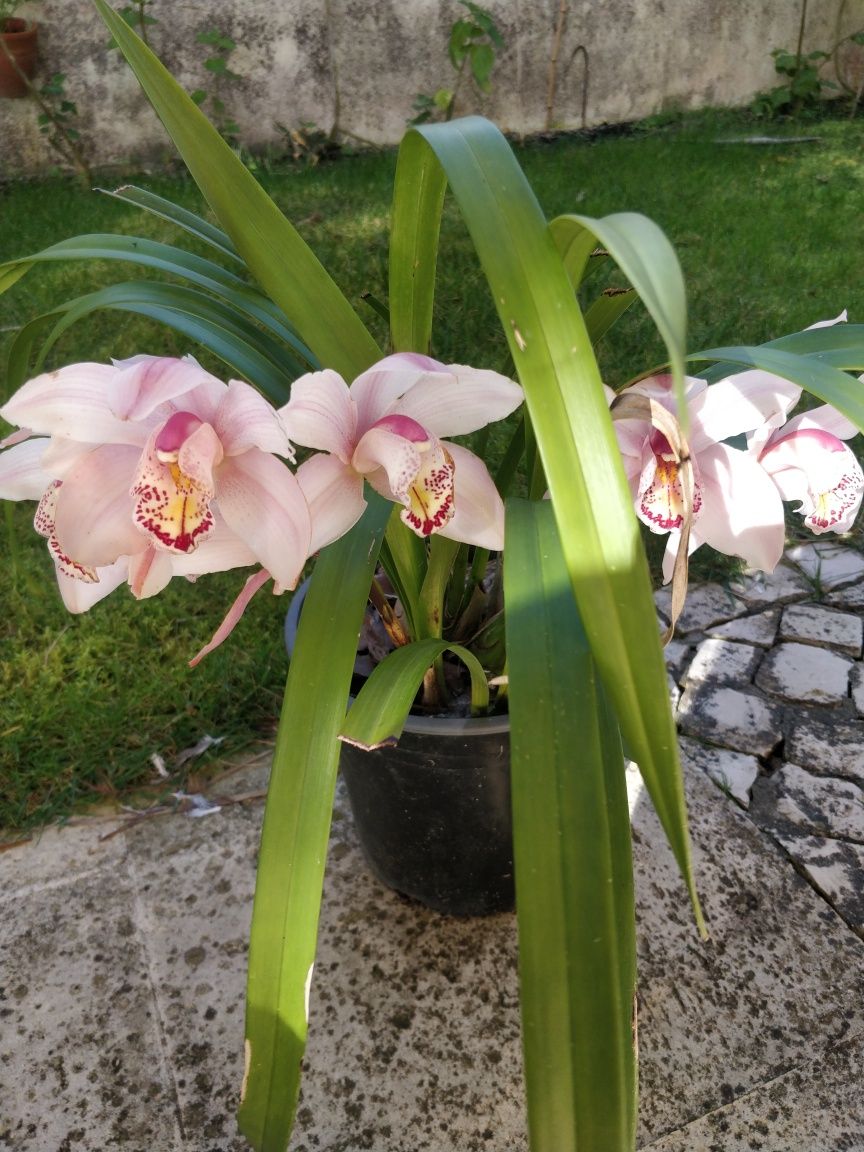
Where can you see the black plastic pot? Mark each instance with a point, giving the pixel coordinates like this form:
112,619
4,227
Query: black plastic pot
433,813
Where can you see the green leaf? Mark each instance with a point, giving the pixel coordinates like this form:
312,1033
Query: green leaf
575,243
403,557
819,378
296,830
605,311
228,286
377,716
167,210
418,196
282,263
570,418
645,256
574,878
482,63
217,327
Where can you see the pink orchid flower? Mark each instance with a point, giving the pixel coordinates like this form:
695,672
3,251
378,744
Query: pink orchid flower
809,462
151,468
736,507
385,429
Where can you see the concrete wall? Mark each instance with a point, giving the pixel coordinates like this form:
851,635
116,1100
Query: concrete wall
294,55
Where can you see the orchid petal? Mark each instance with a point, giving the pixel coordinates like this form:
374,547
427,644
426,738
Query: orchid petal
73,402
671,553
739,404
44,523
149,572
375,391
94,518
826,418
394,447
246,420
662,389
741,514
80,597
256,581
262,503
334,493
478,510
220,552
16,437
61,456
22,474
459,400
144,385
321,414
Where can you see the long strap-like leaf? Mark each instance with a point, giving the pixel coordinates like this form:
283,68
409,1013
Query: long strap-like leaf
296,828
206,321
556,365
574,877
282,263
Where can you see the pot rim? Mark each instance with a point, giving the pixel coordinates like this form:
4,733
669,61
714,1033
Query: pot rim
457,725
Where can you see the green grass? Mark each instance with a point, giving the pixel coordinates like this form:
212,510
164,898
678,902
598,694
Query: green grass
769,238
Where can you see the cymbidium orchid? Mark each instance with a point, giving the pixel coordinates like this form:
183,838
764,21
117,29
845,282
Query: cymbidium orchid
385,428
808,461
145,472
151,468
735,506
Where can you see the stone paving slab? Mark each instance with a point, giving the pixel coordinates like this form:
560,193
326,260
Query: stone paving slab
815,1107
133,973
121,998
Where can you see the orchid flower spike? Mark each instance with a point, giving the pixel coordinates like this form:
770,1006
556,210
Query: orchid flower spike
734,506
385,428
151,468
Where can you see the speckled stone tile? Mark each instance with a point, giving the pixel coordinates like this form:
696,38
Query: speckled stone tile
759,629
781,976
194,881
733,772
856,688
720,661
852,597
815,1107
829,747
841,631
828,564
81,1061
824,806
732,718
677,655
835,867
784,583
802,673
414,1017
57,855
706,604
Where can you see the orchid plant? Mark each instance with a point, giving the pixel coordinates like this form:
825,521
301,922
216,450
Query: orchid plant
153,468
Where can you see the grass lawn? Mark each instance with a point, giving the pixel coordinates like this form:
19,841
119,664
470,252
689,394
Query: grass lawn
769,236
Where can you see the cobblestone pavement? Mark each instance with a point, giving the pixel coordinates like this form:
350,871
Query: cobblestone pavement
123,958
768,682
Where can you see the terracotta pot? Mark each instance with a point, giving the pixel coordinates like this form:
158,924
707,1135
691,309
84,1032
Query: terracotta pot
433,814
18,39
